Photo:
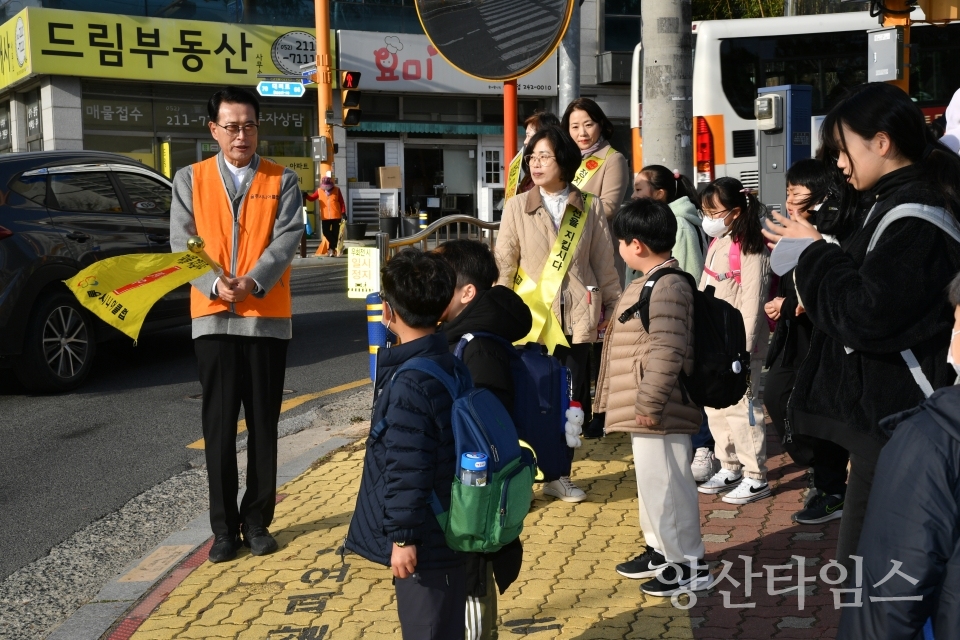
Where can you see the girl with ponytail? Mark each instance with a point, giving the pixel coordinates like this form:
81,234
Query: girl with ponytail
879,302
659,183
738,267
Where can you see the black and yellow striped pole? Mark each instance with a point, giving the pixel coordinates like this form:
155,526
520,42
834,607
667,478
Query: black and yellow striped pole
377,334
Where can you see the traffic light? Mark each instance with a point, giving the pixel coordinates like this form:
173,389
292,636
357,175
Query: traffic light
350,98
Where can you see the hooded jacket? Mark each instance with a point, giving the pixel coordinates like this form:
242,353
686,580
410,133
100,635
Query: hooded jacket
913,517
526,238
951,135
691,244
409,454
501,312
640,371
875,305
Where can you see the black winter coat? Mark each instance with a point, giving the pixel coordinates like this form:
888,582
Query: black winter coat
501,312
791,338
913,517
413,456
878,305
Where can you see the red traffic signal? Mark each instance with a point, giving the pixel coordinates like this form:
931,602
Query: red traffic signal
349,79
350,98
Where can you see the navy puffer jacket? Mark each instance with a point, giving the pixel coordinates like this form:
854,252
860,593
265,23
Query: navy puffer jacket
411,456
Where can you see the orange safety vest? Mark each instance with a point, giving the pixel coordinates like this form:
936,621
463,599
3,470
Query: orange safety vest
213,215
329,204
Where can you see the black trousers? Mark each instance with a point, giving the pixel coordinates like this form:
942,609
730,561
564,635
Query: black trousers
331,231
828,459
862,468
235,371
576,357
432,604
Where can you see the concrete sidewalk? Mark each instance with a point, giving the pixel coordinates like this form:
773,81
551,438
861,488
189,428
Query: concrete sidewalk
567,589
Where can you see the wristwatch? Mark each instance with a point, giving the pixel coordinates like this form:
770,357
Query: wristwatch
401,543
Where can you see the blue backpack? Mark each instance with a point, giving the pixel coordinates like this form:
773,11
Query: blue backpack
481,519
542,392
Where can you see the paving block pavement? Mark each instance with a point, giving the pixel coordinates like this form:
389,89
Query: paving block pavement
568,588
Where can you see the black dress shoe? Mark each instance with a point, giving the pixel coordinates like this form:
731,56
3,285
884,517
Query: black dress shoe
595,428
259,540
224,548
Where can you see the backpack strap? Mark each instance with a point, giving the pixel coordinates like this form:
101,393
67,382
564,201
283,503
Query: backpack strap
642,308
943,220
453,384
733,258
467,337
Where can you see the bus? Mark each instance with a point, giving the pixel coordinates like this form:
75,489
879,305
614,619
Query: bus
733,58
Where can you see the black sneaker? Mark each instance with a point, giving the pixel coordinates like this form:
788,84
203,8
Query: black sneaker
224,548
259,540
645,565
595,428
823,508
667,583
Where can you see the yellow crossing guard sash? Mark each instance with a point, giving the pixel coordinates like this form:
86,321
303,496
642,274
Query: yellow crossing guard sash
513,176
539,296
589,166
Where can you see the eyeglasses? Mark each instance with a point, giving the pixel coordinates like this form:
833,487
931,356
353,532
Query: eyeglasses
234,129
541,160
716,214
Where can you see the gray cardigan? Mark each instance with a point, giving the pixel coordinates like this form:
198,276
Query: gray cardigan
287,230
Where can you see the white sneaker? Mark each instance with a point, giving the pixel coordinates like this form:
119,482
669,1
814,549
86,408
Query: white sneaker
565,490
704,464
747,491
722,480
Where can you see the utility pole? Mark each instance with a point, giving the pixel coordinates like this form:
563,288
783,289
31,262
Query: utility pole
324,82
897,14
509,121
569,62
667,84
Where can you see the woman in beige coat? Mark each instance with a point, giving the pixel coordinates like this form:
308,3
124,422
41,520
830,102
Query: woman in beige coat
603,172
528,245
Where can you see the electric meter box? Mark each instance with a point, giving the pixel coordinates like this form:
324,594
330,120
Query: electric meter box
783,121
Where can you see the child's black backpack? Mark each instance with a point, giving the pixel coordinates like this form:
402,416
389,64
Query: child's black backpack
721,364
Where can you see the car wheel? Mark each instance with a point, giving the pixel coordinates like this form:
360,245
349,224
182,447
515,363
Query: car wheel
60,345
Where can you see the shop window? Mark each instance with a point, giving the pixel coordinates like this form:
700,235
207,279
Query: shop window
621,24
31,100
380,108
370,157
434,109
492,166
89,192
140,148
6,141
149,197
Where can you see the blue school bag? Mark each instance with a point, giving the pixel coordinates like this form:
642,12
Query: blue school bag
542,392
481,519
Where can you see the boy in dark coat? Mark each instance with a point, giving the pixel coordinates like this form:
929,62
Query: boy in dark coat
478,306
411,454
913,518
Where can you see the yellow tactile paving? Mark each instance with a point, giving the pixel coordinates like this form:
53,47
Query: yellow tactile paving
567,589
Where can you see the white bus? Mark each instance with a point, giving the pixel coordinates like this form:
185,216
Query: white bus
733,58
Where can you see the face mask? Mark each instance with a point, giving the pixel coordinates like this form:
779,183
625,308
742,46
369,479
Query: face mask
383,316
715,227
950,359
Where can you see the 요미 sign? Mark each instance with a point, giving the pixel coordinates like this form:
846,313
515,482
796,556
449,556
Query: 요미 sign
399,62
79,43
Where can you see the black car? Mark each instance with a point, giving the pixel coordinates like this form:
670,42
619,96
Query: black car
60,211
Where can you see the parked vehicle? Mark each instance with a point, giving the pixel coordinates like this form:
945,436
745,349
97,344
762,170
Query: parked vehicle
60,211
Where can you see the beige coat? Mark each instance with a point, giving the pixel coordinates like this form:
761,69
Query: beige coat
747,299
525,239
639,372
612,182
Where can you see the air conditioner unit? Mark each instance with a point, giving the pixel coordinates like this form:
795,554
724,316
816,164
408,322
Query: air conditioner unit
613,67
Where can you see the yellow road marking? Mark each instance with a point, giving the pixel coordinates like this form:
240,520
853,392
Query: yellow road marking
295,402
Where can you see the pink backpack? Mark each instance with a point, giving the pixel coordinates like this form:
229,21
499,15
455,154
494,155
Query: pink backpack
734,259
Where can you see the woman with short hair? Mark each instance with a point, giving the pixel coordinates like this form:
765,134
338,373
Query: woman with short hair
553,249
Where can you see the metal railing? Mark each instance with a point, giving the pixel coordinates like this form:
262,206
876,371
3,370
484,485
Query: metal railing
446,228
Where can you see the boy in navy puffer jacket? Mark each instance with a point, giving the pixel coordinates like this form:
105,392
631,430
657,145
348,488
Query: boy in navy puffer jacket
410,454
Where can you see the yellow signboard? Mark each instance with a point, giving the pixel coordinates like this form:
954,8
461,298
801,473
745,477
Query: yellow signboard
363,272
15,55
303,168
103,45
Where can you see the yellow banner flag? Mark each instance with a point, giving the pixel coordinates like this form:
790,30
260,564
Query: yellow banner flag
120,291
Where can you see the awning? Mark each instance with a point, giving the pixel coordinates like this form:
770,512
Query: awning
462,128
